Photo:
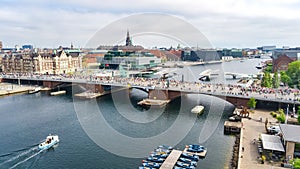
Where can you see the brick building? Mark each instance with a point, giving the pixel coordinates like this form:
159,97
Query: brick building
281,63
42,63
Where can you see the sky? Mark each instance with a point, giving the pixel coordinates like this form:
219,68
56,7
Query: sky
224,23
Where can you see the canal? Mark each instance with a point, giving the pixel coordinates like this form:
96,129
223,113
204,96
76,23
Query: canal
113,131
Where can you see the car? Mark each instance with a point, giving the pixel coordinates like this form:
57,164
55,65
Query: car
273,129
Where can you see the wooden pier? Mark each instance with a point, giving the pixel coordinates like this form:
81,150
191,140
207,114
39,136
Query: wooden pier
171,160
232,127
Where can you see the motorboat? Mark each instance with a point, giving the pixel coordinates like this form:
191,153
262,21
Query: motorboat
190,156
151,164
184,165
195,148
198,109
50,141
35,90
188,161
154,159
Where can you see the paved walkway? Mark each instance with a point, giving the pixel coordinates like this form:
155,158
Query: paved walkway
252,129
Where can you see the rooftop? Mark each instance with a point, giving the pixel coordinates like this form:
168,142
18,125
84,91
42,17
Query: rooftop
290,132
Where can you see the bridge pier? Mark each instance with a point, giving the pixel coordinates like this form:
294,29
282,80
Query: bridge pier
50,84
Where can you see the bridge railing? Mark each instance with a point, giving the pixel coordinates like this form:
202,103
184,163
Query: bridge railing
286,95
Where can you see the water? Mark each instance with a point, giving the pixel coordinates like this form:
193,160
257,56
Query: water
27,119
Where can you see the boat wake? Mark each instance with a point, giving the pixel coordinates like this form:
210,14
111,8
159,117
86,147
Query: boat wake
18,157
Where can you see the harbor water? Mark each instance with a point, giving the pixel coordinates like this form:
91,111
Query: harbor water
25,120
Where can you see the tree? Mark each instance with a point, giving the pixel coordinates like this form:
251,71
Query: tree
284,78
296,163
276,80
294,73
281,116
252,103
266,80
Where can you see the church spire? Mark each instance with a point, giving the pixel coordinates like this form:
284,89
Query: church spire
128,39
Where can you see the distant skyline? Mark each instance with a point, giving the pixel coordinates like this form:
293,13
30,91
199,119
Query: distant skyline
230,23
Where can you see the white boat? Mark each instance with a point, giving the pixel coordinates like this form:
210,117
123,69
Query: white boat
197,109
35,90
50,141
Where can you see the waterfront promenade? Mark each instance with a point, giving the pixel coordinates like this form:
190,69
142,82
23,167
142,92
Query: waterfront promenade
7,89
283,95
251,130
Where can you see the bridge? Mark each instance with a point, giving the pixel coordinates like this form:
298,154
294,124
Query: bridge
162,89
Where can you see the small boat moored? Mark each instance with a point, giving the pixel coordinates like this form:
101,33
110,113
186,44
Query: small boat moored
198,109
35,90
50,141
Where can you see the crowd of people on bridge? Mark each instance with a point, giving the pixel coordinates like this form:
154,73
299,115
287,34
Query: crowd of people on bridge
283,93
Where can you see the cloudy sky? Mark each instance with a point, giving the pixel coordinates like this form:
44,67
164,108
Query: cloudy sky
225,23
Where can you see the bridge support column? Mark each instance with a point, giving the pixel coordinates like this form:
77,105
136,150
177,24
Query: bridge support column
163,94
50,84
95,88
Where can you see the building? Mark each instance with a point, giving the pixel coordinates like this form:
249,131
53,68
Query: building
291,140
292,53
1,46
281,63
128,60
201,55
42,63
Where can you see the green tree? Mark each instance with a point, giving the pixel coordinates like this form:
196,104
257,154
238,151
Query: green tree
281,116
252,103
296,163
266,80
294,73
285,78
276,80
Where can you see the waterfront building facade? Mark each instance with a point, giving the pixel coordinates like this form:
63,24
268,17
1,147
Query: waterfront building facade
42,63
128,60
281,63
201,55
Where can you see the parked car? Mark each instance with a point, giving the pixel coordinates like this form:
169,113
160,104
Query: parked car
274,129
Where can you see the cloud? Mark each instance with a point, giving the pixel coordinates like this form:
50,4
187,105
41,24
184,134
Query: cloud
227,23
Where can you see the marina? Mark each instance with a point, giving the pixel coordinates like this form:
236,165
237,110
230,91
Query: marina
165,157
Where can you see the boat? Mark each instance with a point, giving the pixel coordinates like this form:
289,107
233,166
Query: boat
35,90
184,165
188,161
259,66
50,141
195,148
190,156
198,109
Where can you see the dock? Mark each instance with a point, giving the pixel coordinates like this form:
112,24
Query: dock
88,95
232,127
153,102
58,93
171,160
201,154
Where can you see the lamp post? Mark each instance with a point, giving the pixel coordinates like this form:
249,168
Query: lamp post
287,113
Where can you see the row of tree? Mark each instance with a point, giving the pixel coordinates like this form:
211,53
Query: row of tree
290,77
